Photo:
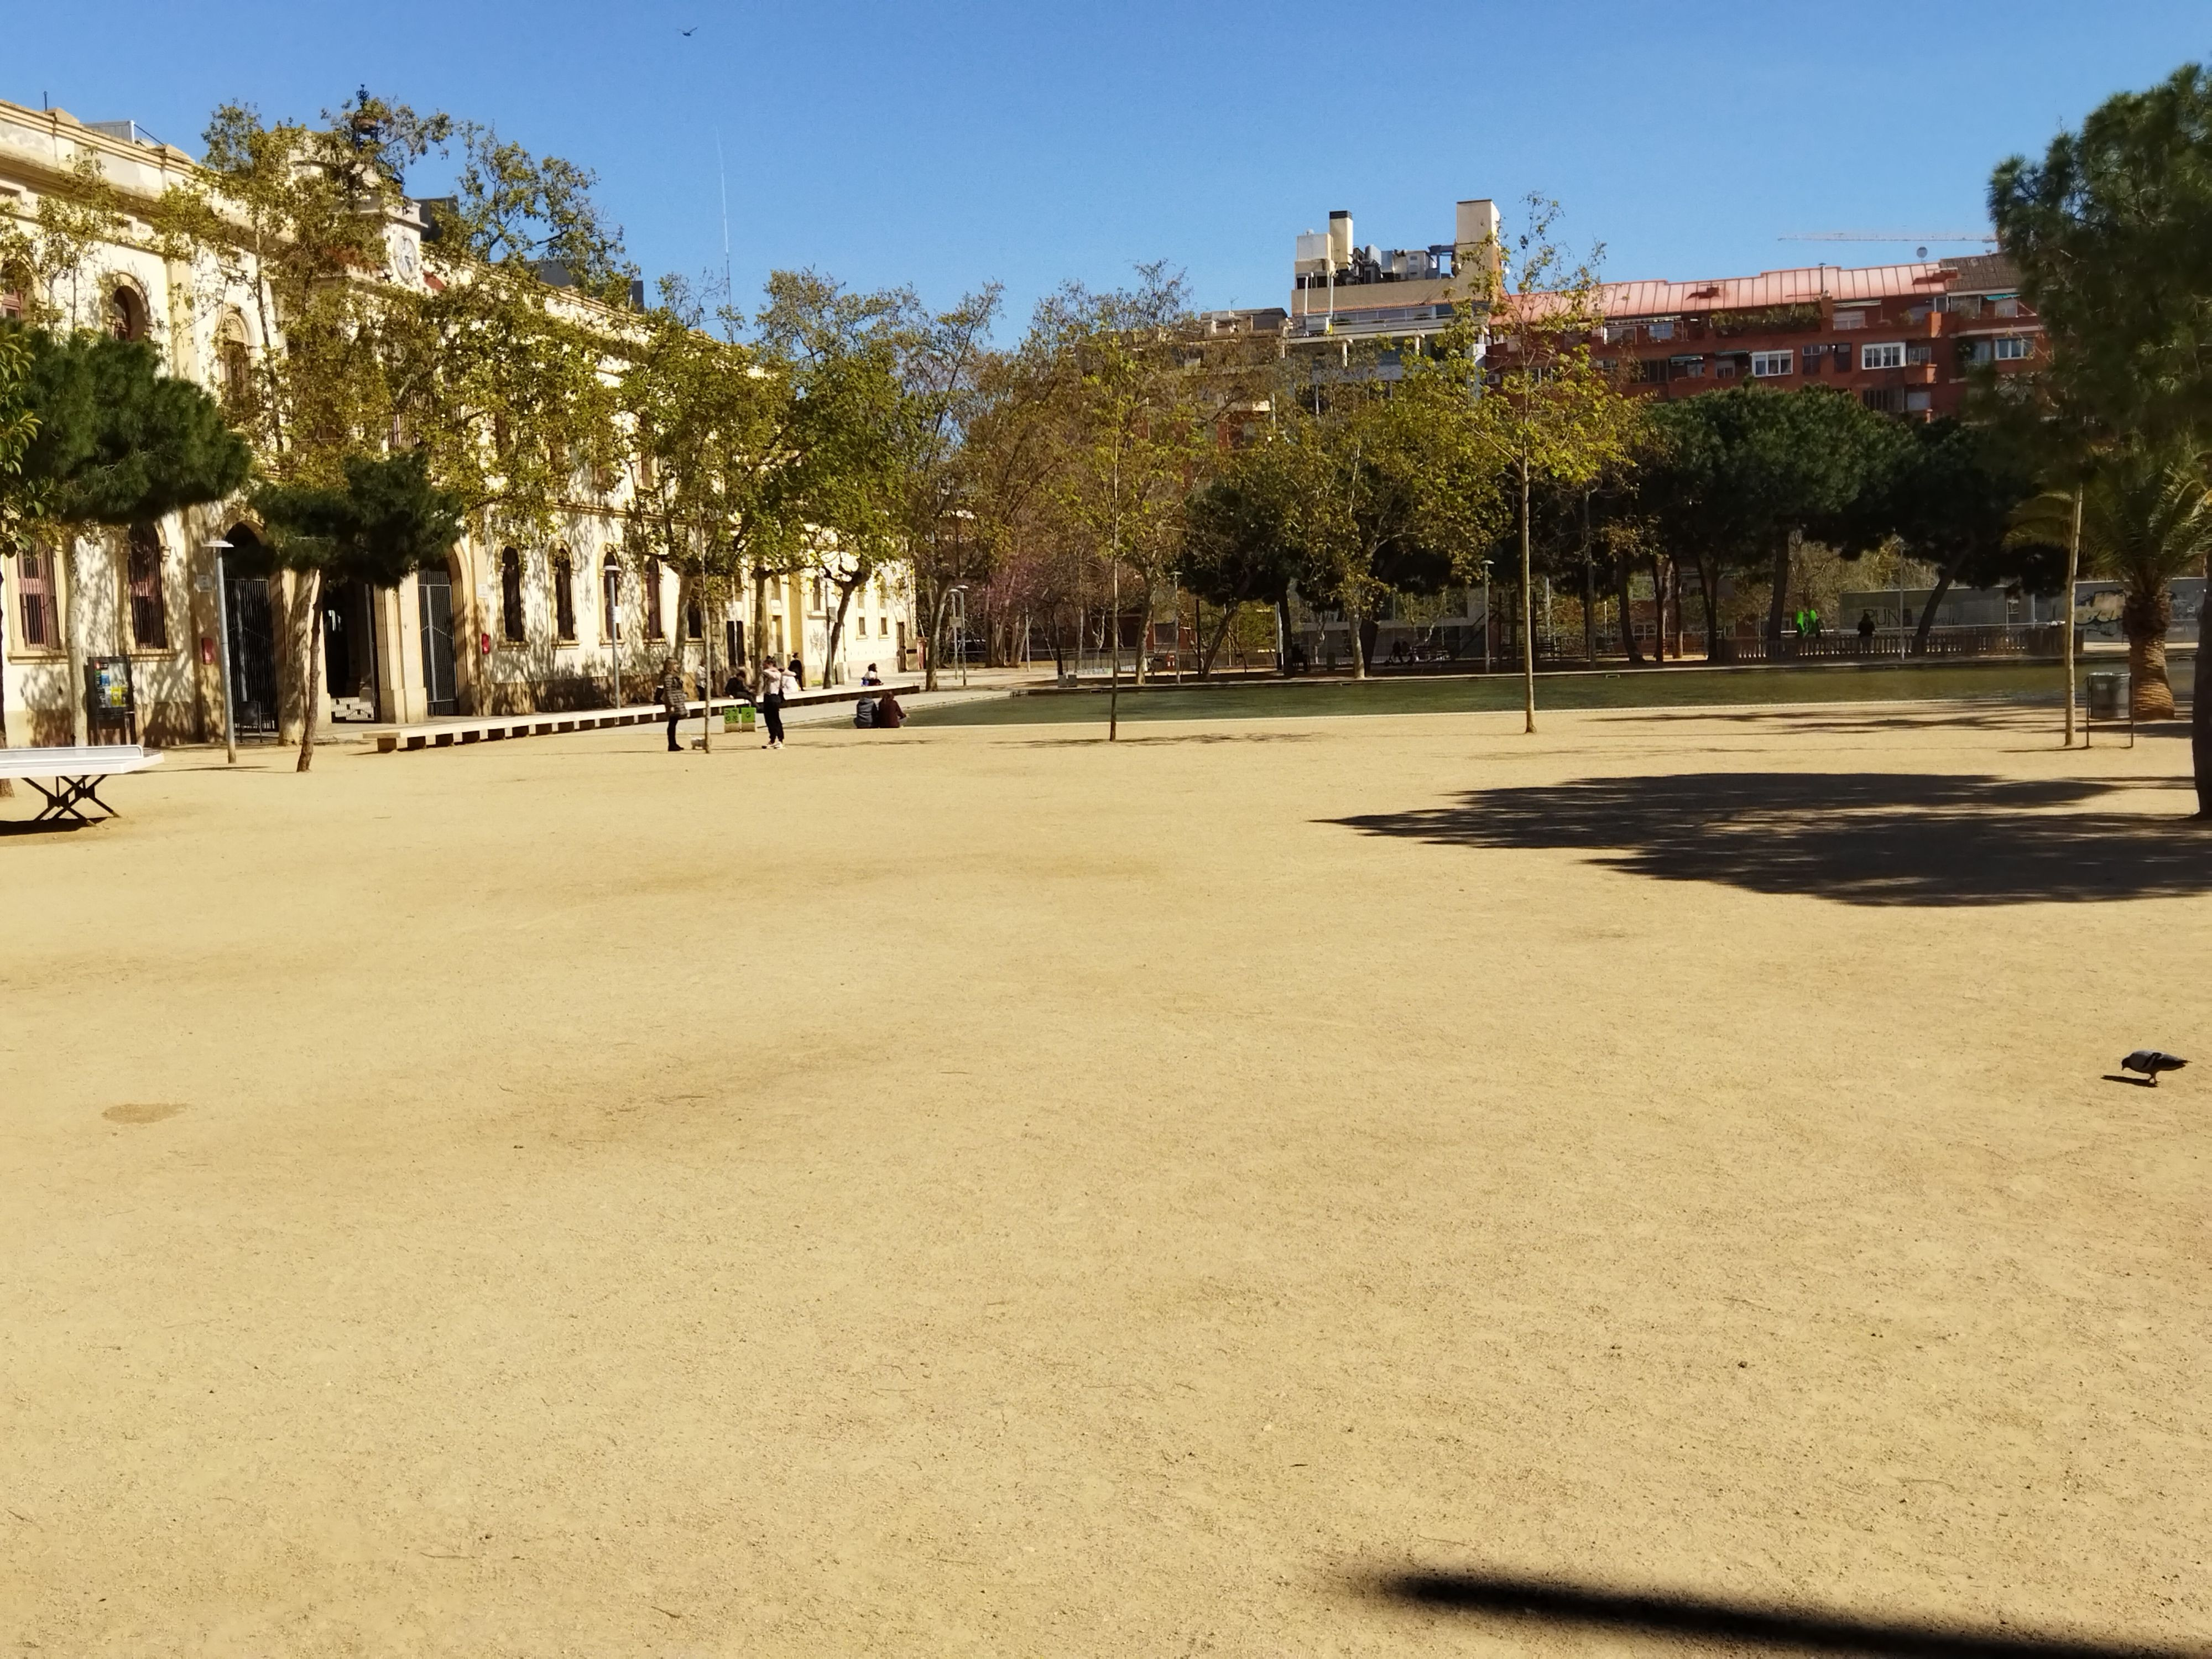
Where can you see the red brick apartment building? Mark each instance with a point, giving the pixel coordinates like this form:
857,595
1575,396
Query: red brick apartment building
1903,338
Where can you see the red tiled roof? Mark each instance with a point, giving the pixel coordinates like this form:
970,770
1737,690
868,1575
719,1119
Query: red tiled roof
1802,286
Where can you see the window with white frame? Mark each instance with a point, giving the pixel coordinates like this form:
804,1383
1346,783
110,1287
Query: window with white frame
1850,319
2010,349
1764,365
1889,355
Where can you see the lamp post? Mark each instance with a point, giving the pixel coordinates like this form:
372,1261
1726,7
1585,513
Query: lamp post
219,547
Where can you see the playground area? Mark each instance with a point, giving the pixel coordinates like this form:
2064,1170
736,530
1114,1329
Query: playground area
1271,1185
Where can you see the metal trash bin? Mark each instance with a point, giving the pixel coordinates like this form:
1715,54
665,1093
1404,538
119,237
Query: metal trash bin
2108,696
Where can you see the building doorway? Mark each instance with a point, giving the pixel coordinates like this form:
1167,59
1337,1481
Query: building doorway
349,649
735,632
252,637
902,645
434,592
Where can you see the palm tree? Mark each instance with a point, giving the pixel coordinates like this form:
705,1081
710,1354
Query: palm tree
2146,518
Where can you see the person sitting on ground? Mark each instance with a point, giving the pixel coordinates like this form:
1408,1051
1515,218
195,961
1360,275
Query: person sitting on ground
738,685
889,716
872,677
864,713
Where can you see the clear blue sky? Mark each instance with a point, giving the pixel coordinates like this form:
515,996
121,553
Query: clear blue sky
944,145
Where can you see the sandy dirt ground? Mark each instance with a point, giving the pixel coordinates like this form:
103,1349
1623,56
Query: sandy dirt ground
1267,1187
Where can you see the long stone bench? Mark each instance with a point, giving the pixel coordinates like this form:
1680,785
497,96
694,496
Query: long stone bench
443,734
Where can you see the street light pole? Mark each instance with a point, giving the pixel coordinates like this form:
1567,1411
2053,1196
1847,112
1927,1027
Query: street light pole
219,547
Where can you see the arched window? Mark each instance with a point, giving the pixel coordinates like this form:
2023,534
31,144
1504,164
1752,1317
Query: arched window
233,365
610,598
510,596
695,622
653,628
564,596
126,312
150,606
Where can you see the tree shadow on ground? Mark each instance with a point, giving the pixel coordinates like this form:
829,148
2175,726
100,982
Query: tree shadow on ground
1180,737
1674,1617
1858,838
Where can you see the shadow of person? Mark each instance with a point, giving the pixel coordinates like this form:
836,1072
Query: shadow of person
1676,1616
1856,837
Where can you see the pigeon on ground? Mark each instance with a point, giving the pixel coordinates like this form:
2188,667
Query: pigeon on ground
2150,1062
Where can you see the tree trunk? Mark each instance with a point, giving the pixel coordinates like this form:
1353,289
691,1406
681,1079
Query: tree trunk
1527,612
1708,596
1114,670
2200,730
1927,611
1635,653
1283,637
1658,611
312,700
1229,613
1778,602
1352,620
2147,617
709,627
2066,613
1590,602
837,633
1144,637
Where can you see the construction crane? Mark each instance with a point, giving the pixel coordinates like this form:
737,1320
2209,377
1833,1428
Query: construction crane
1920,239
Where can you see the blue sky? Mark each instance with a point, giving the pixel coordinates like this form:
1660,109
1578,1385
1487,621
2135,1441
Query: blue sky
946,145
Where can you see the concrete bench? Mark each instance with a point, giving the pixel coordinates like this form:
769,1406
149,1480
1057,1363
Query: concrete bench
77,774
493,728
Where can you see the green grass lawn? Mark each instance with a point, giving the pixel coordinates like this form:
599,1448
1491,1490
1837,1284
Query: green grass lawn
1645,688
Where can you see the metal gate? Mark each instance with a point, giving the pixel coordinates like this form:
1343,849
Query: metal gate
434,589
252,655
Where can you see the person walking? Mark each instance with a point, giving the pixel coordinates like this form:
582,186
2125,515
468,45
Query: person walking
797,673
771,702
672,699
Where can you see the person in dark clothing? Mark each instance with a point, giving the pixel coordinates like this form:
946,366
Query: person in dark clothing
797,673
1866,629
889,716
771,702
672,699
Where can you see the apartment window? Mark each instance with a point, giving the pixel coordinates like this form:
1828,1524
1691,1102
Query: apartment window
883,627
1659,331
1884,400
14,286
1724,368
1843,354
1685,368
149,609
694,623
1889,355
1977,351
1920,353
1765,365
1648,371
653,625
2008,307
2011,349
1966,305
34,579
1916,403
1850,319
564,595
510,597
1815,356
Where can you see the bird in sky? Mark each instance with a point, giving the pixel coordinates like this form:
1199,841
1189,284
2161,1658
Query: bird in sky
688,34
2150,1062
